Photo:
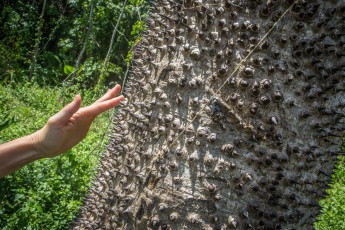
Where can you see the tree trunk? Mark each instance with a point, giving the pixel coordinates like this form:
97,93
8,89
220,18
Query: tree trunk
233,119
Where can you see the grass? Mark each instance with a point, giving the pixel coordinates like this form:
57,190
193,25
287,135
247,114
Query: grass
47,193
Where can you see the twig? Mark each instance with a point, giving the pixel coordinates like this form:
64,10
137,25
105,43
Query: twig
55,28
38,39
80,56
113,38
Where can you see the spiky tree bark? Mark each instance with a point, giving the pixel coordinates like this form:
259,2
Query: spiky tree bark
233,118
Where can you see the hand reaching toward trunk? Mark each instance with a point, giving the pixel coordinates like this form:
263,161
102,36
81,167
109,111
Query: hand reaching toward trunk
61,133
69,126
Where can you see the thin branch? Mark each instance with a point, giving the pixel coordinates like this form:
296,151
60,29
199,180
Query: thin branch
55,28
137,10
81,54
113,38
122,34
38,40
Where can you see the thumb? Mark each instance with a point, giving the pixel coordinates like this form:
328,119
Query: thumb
67,112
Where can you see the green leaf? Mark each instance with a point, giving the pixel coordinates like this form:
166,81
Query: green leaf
39,208
6,123
67,69
9,204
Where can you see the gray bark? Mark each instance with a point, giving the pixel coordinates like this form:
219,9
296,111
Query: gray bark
233,119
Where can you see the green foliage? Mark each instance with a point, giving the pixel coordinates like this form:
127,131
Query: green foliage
65,32
47,193
333,206
137,28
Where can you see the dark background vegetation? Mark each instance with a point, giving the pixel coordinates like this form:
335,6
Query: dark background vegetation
48,54
60,34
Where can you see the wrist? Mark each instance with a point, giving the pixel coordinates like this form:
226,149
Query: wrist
35,141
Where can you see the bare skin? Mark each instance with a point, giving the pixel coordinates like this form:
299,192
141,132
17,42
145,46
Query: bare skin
61,133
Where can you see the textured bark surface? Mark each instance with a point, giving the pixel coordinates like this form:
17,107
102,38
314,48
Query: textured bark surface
233,118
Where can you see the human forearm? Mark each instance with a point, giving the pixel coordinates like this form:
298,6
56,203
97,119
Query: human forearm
18,153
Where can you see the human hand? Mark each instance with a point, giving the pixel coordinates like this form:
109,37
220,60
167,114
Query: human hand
69,126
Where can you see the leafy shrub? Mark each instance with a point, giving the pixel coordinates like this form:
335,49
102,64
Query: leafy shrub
333,206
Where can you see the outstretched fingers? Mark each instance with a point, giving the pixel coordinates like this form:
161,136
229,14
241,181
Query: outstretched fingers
97,108
110,94
103,104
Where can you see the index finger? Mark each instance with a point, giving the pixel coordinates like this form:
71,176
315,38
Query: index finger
110,94
95,109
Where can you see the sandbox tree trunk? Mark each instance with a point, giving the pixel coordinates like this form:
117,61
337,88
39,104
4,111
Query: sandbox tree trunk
232,119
